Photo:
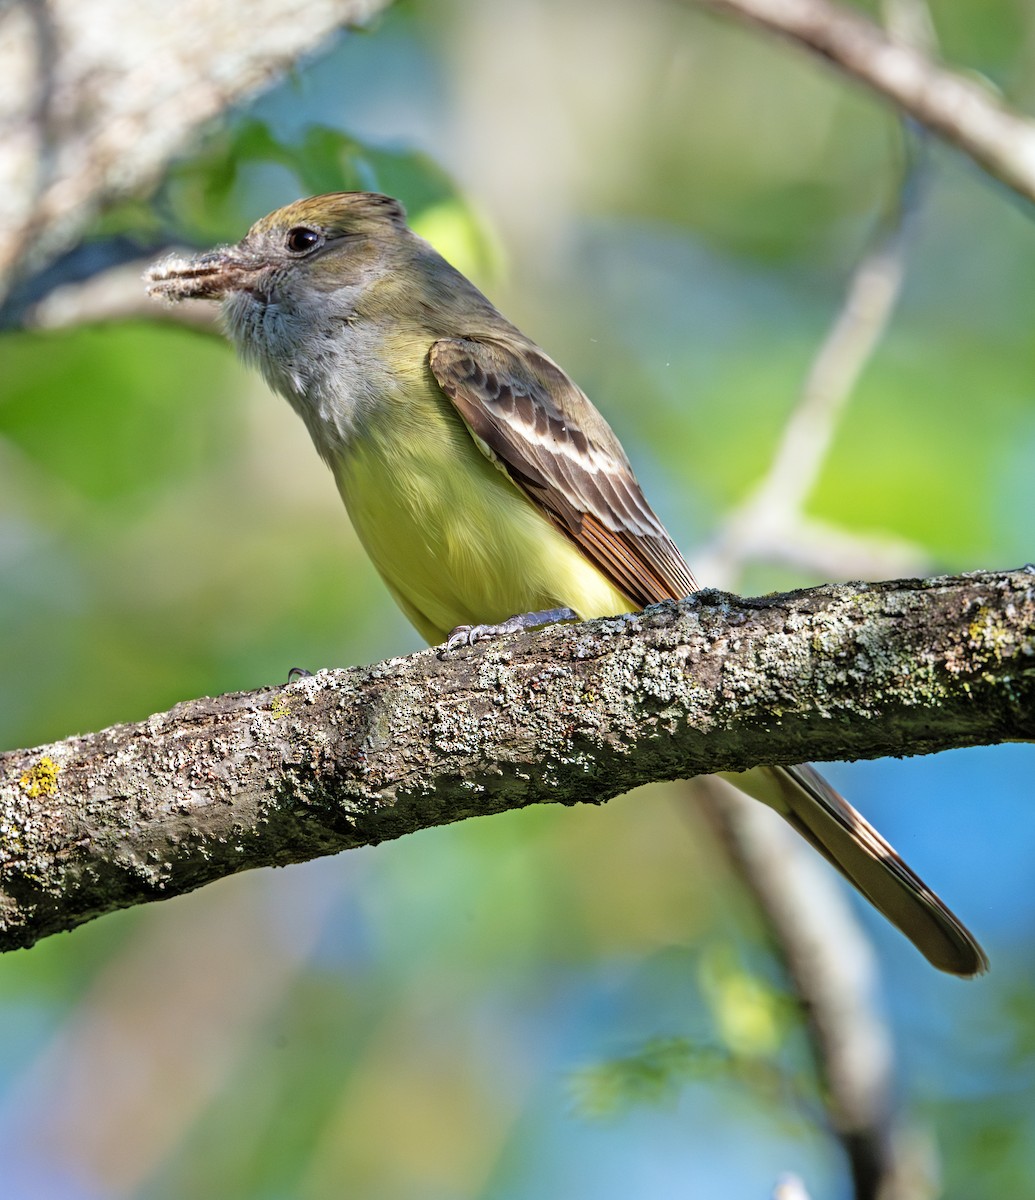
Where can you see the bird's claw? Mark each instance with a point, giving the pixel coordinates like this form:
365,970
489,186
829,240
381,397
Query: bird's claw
467,635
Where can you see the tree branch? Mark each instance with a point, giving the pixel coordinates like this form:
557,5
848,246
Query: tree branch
959,108
100,94
574,713
832,969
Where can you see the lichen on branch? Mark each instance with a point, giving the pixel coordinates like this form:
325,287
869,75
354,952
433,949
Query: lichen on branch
574,713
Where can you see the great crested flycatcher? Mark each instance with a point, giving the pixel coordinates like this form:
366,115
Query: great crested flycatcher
482,482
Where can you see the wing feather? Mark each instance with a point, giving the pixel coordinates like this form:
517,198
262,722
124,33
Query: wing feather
546,435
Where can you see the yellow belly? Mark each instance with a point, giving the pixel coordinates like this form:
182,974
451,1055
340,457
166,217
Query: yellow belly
451,535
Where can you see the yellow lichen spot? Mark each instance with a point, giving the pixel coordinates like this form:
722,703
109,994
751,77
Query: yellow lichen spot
977,626
988,635
279,708
41,780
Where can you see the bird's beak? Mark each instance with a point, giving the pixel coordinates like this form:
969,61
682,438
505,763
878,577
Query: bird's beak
210,276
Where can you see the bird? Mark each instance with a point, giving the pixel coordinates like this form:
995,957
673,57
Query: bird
489,492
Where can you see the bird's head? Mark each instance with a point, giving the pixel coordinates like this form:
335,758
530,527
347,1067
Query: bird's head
303,281
317,245
330,289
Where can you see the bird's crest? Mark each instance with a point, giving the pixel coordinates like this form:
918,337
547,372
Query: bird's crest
338,213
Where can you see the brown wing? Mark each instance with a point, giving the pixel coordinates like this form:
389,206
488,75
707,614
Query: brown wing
530,418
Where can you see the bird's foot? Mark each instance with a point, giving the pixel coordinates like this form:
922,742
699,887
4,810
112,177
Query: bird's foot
467,635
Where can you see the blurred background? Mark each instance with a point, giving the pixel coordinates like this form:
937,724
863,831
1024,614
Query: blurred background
566,1003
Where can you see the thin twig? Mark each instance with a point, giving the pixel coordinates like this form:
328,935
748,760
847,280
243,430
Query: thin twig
114,294
959,108
770,523
827,960
832,973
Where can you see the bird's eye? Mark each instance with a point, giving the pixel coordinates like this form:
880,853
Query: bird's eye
300,239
